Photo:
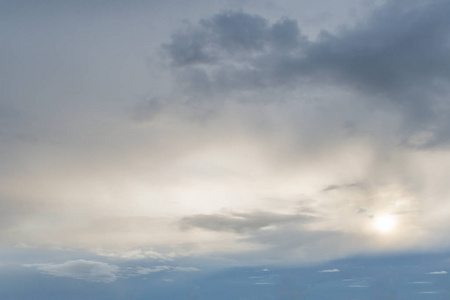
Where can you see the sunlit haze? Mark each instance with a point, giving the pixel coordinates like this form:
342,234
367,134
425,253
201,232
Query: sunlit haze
384,223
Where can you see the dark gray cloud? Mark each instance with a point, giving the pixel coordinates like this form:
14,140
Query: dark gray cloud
342,186
397,59
235,50
279,236
398,45
231,35
242,222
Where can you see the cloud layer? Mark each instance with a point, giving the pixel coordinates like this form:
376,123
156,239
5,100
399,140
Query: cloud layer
237,133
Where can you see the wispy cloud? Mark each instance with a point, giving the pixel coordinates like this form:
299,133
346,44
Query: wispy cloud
144,271
437,273
330,271
97,271
243,222
81,269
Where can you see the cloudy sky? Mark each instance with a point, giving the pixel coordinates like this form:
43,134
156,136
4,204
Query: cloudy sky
169,137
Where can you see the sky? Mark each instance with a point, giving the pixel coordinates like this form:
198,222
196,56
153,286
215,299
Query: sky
158,143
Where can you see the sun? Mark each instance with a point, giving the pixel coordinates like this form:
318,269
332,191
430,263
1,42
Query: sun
384,223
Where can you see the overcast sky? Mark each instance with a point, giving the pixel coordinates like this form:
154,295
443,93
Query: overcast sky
238,131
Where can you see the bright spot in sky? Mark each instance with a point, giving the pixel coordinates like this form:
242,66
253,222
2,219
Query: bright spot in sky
384,223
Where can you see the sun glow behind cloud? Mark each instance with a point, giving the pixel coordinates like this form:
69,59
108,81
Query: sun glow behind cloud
384,224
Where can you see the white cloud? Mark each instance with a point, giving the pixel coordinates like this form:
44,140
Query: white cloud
135,254
88,270
95,271
156,269
437,273
330,271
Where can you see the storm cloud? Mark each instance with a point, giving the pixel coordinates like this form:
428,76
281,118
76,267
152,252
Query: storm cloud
397,59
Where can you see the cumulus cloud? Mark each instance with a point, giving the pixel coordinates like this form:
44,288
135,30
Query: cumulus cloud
237,49
400,44
396,59
88,270
231,34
